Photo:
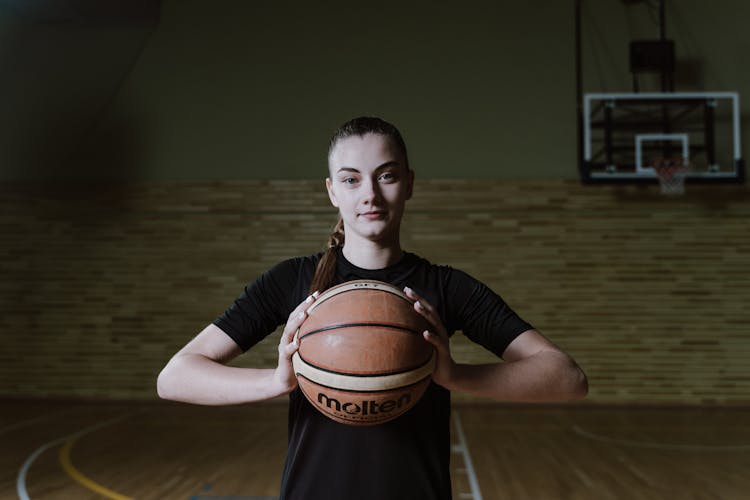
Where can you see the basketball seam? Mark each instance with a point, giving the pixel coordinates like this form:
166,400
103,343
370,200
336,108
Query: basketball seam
365,375
381,285
355,325
424,370
363,391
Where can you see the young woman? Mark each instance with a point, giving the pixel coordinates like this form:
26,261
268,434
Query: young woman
369,182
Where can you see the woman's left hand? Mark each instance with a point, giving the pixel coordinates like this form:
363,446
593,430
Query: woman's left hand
438,337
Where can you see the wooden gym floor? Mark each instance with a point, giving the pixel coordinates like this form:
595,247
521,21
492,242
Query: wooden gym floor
93,450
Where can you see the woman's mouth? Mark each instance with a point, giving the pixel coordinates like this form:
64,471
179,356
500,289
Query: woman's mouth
373,215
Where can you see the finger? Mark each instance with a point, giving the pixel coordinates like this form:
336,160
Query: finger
297,316
289,340
305,304
436,340
292,326
418,300
422,305
426,311
411,294
289,348
291,329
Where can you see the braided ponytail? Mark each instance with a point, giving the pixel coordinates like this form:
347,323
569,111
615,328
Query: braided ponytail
325,272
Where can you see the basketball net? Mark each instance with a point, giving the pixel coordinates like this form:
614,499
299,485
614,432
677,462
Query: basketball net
671,173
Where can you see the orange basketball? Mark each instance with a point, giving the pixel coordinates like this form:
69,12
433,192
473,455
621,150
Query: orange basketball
362,359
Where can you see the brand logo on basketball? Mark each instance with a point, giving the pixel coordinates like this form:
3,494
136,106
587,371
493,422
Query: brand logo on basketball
366,407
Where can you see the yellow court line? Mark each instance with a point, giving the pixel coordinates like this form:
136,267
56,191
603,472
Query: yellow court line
67,465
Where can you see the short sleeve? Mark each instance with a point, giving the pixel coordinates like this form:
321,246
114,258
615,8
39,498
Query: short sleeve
482,314
263,305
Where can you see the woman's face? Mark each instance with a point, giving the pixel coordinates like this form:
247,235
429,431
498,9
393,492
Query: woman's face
369,183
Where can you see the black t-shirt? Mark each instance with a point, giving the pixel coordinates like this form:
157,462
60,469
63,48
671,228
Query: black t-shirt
406,458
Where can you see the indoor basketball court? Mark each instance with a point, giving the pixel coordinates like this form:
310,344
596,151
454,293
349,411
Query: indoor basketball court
147,450
583,159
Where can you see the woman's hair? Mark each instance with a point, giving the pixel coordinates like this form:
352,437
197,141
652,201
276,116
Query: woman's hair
369,125
326,270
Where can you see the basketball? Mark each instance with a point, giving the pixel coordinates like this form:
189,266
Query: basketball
362,359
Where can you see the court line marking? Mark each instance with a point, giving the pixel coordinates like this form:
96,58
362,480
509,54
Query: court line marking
662,446
476,494
21,490
69,468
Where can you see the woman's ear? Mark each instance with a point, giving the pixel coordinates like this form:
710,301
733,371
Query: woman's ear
331,194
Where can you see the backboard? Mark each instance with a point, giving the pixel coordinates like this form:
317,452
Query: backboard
625,133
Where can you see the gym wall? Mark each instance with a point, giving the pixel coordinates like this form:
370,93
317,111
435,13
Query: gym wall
230,90
103,283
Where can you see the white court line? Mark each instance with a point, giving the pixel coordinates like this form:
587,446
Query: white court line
473,483
21,490
661,446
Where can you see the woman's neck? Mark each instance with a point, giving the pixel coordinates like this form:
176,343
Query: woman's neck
372,255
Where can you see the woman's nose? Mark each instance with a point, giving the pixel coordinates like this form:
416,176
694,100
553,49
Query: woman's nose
371,191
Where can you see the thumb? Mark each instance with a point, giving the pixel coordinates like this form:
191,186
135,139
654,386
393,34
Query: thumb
291,349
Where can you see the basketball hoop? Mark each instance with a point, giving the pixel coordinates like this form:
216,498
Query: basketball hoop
671,173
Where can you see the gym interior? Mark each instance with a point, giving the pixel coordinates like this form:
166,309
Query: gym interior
158,155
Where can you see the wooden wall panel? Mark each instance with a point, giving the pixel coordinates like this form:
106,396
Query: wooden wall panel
102,283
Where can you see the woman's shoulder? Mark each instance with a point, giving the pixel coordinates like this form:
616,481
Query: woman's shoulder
446,271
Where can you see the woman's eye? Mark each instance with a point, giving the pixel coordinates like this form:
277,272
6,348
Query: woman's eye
349,180
388,176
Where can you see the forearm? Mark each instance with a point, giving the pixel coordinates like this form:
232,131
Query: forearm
543,377
193,378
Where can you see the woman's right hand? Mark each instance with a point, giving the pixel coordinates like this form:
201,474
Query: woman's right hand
288,345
